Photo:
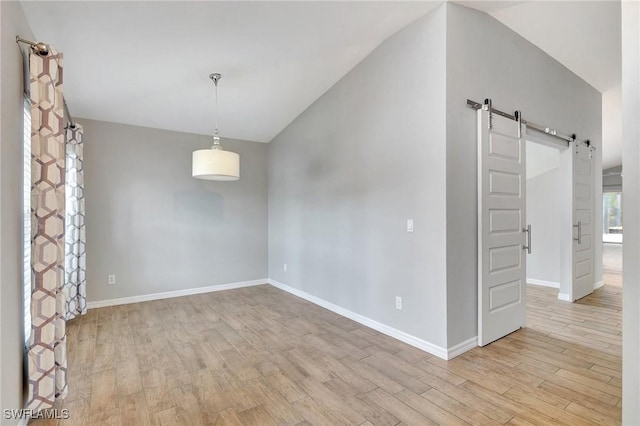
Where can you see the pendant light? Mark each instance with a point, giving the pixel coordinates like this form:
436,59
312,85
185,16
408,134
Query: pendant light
215,163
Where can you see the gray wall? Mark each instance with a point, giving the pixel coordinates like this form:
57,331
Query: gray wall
631,193
345,176
487,59
12,23
542,213
158,229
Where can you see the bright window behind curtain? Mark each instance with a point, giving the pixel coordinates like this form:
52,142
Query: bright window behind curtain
27,221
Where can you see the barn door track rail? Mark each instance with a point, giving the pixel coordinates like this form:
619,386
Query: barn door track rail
516,116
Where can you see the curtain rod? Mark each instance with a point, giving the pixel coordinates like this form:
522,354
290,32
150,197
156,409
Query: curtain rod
42,49
542,129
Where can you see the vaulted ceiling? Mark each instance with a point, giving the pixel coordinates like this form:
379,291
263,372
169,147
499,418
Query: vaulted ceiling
147,63
584,36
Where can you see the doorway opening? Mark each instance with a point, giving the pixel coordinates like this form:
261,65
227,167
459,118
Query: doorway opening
564,238
560,201
544,210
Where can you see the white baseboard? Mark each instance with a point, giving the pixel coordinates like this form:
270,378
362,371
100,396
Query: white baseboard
543,283
407,338
462,347
564,297
175,293
598,284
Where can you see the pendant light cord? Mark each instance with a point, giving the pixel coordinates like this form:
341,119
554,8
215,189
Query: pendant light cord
216,137
216,119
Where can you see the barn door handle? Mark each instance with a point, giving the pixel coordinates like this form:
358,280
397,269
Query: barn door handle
579,226
527,247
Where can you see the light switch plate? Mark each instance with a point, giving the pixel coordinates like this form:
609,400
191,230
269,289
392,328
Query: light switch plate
409,225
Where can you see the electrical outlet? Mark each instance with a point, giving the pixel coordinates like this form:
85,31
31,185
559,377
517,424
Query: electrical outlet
409,225
284,267
399,302
111,279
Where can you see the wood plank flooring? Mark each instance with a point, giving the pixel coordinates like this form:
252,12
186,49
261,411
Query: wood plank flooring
259,356
612,264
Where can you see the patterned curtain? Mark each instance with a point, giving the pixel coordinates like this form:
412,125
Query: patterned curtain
47,358
75,286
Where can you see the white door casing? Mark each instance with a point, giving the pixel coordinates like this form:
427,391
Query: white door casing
583,224
502,230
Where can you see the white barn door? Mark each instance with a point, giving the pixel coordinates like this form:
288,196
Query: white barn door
583,225
503,237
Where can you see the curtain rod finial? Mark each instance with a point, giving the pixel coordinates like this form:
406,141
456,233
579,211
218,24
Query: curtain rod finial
38,48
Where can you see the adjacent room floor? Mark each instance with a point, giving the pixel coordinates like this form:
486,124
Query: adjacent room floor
261,356
612,264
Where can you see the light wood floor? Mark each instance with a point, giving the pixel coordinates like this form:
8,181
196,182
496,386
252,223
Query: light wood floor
259,356
612,264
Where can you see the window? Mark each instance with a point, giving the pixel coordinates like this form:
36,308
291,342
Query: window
27,221
612,216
